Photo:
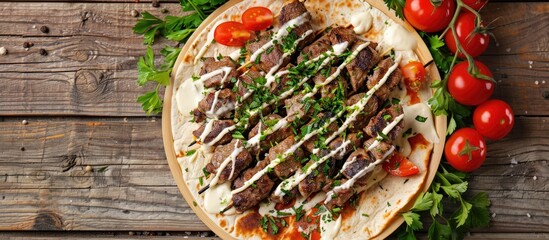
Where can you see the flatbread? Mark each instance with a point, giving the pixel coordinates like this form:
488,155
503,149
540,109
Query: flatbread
378,205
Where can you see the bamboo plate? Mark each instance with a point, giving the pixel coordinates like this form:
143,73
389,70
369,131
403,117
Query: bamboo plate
422,52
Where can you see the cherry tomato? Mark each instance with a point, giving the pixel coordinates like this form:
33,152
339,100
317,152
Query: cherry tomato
400,166
475,4
257,18
474,43
494,119
414,75
468,90
231,34
465,150
428,18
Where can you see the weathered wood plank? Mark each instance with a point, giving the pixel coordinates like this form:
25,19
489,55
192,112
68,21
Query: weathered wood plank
90,69
137,186
85,141
520,60
73,19
47,187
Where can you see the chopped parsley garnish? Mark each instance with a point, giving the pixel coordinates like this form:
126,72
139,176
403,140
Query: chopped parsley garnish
420,118
407,133
190,152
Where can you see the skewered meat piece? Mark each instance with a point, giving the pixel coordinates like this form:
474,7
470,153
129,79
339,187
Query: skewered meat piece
394,79
198,116
241,161
359,67
315,181
254,194
316,48
218,104
382,119
271,139
340,197
280,86
211,64
267,59
291,163
341,34
295,108
217,127
379,151
293,10
287,197
356,142
356,162
328,90
362,118
246,80
322,118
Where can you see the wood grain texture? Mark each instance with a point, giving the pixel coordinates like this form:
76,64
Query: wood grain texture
47,187
520,59
39,189
90,69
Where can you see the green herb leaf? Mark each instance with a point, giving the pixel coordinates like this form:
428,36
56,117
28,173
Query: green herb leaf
148,72
423,202
412,221
421,118
397,5
151,102
439,231
455,190
190,152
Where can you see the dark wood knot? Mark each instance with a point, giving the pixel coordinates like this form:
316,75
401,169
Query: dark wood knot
47,221
91,85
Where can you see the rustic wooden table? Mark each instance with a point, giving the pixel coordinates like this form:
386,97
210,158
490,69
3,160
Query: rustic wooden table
68,102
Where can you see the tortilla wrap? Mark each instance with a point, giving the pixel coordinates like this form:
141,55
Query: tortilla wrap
378,205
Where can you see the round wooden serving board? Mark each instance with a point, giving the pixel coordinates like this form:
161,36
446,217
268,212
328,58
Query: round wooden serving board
422,52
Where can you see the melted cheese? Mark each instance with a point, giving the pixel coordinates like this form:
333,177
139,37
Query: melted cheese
329,227
399,38
188,95
362,22
217,198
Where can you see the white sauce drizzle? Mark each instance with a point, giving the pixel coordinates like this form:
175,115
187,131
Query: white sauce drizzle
337,71
358,107
283,31
207,130
337,50
349,183
225,162
362,103
210,113
362,22
294,180
219,136
281,159
287,54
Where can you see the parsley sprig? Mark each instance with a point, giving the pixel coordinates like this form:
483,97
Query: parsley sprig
469,213
175,28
